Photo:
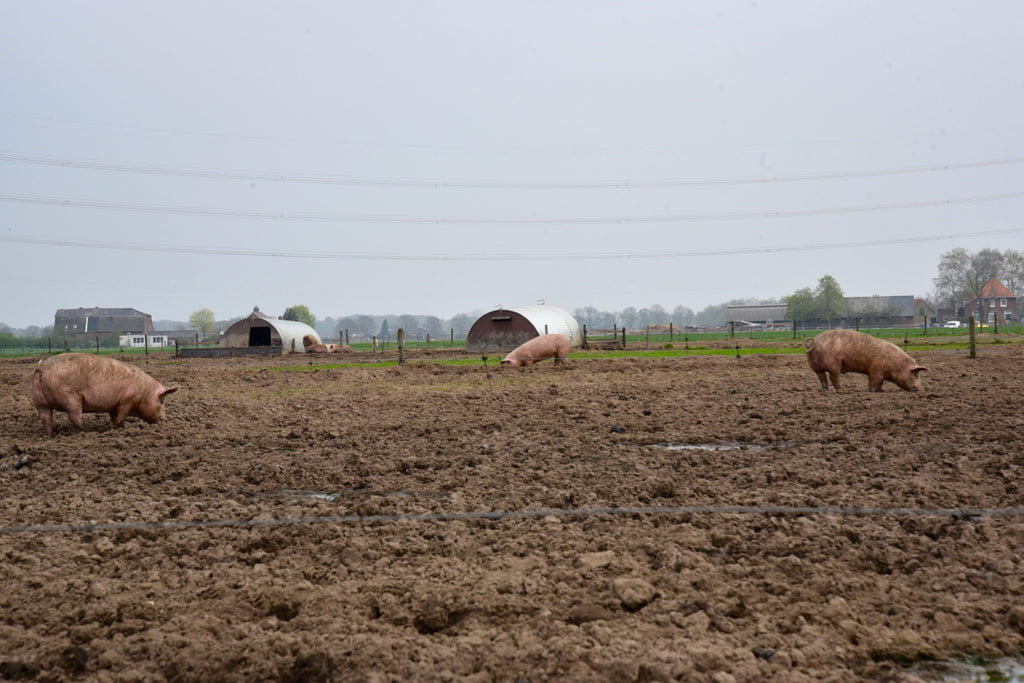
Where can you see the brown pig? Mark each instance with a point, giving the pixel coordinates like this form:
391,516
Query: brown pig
539,348
78,383
837,351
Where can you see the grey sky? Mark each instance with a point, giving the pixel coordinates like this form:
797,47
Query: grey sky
448,157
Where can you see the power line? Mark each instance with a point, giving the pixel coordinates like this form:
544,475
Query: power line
504,256
251,176
960,514
485,220
558,149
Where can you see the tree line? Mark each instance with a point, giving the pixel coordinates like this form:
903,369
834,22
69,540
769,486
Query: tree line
961,276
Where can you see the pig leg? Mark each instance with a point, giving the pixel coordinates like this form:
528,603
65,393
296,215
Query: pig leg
834,376
118,415
47,416
75,415
875,382
823,378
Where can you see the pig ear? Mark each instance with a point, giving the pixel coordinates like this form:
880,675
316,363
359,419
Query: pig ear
917,368
168,391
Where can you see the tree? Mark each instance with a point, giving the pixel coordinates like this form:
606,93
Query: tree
963,275
829,298
800,305
682,316
411,325
462,323
385,333
434,327
949,283
203,321
299,313
1013,271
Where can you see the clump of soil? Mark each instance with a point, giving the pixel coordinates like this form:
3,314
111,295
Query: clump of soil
290,522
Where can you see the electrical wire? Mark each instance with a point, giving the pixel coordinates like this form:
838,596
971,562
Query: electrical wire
251,176
503,256
485,220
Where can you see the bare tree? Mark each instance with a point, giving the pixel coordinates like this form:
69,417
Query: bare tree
203,321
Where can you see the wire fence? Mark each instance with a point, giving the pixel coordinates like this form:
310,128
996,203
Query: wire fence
953,513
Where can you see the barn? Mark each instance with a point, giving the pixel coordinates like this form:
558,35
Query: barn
98,320
260,331
506,328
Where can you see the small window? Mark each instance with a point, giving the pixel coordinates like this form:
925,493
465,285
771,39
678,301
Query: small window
1002,303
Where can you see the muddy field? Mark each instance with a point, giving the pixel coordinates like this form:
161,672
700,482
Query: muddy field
300,524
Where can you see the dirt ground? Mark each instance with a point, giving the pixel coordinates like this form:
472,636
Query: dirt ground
293,523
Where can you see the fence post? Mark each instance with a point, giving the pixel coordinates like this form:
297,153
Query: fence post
584,336
401,345
452,330
428,343
974,348
670,332
623,337
49,344
373,341
97,344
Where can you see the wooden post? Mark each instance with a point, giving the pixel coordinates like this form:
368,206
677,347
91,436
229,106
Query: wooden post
670,332
623,337
401,345
648,338
373,340
97,343
452,330
732,329
428,343
49,344
974,348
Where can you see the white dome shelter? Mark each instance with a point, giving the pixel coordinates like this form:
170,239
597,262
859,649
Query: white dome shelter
504,329
260,330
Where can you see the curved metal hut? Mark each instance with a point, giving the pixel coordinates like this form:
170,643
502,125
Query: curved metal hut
260,330
506,328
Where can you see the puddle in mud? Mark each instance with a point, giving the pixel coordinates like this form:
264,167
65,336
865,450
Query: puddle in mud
299,495
724,446
305,495
1001,670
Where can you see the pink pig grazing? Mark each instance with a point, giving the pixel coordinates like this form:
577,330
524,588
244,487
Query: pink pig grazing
78,383
837,351
539,348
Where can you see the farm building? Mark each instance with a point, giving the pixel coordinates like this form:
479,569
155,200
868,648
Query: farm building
138,340
998,304
259,330
766,315
506,328
101,320
881,311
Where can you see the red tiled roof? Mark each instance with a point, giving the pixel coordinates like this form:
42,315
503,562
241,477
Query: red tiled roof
995,289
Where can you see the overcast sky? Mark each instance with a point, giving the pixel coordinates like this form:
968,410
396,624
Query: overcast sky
436,157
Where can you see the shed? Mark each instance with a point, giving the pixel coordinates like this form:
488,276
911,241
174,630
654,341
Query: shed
260,330
504,329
